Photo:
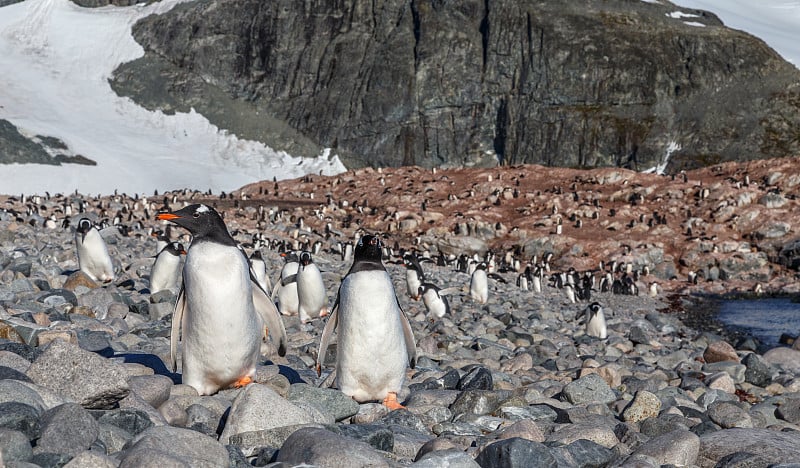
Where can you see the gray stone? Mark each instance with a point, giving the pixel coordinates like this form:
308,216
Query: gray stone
250,442
680,448
644,405
587,389
328,400
68,429
582,452
789,410
478,401
376,435
14,446
15,391
728,415
596,432
89,459
758,372
321,447
20,417
785,358
134,422
83,376
478,378
113,438
189,447
451,458
258,407
773,446
154,389
515,453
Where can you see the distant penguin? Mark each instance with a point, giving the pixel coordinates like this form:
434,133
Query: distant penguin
570,292
310,290
285,290
375,341
595,320
435,303
653,289
347,252
221,313
259,267
93,256
166,271
479,284
162,239
414,276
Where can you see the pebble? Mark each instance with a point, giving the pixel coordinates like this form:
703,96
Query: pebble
514,382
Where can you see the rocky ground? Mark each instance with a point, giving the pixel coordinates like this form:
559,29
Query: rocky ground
514,382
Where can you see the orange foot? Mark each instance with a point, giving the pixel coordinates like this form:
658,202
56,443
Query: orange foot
243,381
391,401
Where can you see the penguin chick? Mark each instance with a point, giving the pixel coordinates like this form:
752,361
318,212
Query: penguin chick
166,270
93,256
310,290
216,315
375,341
595,320
435,302
479,284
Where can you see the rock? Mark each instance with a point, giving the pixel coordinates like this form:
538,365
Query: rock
478,378
188,447
258,407
85,377
773,446
88,459
515,453
327,400
20,417
789,411
644,405
525,429
758,372
154,389
79,279
14,446
376,435
452,458
679,448
132,421
321,447
582,452
598,433
67,429
589,388
785,358
720,351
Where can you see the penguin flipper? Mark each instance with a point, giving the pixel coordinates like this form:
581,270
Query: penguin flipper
330,326
408,335
177,322
270,316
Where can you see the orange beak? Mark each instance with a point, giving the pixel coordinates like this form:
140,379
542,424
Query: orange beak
167,216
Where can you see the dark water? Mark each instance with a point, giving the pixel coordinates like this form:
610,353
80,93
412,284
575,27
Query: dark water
765,319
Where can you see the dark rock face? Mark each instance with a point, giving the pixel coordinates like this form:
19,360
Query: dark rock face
575,83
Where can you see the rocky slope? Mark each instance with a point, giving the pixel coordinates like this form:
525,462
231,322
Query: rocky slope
454,84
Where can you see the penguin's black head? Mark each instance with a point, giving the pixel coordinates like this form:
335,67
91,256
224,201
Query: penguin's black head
305,259
256,255
84,226
175,248
202,221
595,308
368,249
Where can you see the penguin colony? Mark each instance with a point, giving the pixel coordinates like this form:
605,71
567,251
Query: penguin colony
337,224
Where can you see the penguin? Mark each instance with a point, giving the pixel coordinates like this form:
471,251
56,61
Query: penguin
570,291
414,276
93,256
479,284
595,320
162,239
375,341
221,314
435,302
259,267
310,290
166,270
285,289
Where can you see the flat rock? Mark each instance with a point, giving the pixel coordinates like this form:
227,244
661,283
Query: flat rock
321,447
85,377
587,389
774,446
331,401
679,448
515,453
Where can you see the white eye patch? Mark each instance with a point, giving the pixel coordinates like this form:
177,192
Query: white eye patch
202,209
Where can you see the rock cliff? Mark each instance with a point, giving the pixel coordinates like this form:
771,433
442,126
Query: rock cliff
475,82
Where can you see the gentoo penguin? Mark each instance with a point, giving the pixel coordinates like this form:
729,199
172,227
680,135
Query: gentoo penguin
259,267
310,290
221,311
376,343
595,320
286,287
414,276
479,284
435,302
166,270
93,257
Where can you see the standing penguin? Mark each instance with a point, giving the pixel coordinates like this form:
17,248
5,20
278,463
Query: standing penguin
376,343
595,320
479,284
221,312
286,287
310,290
414,276
166,270
259,267
93,257
435,302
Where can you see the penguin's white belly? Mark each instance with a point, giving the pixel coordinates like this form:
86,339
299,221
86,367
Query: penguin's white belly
371,354
479,287
434,304
221,329
165,272
596,326
288,301
412,283
310,292
93,257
